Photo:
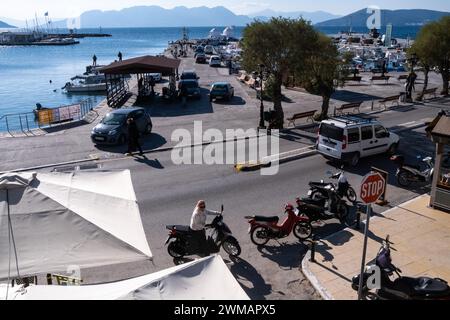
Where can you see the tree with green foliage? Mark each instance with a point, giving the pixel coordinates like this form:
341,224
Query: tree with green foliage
432,46
325,72
281,45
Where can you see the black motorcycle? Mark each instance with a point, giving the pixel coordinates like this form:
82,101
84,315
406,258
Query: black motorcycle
402,288
183,243
343,187
324,207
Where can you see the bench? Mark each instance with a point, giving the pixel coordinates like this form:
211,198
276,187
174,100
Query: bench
402,77
357,78
430,91
308,114
376,78
243,78
250,82
354,105
393,99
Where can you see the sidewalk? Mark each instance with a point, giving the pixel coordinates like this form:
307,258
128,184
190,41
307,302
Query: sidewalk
421,237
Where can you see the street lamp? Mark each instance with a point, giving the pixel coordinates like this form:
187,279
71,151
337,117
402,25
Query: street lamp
262,125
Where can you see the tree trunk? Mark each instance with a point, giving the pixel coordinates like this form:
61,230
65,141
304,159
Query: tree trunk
445,78
325,107
277,98
425,83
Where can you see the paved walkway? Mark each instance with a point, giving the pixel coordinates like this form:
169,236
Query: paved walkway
421,238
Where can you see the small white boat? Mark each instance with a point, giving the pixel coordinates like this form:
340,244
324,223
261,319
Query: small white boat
86,83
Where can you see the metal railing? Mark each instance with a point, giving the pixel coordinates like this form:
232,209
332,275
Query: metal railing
27,121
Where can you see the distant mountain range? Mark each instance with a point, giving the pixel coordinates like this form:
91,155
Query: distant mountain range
155,16
396,17
314,17
5,25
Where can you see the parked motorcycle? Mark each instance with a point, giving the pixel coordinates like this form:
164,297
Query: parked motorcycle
343,187
408,174
324,207
402,288
262,229
182,242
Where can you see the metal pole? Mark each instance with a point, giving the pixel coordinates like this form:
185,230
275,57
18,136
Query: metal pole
261,111
363,261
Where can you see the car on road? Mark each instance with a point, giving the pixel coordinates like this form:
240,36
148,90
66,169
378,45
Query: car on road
221,90
215,61
349,138
209,49
189,75
112,129
190,88
200,58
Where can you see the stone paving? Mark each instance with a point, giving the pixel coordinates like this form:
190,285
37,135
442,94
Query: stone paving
420,236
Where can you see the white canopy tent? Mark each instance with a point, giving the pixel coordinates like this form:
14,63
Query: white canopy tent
49,221
204,279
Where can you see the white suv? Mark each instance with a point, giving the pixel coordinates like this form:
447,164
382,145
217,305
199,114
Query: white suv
349,138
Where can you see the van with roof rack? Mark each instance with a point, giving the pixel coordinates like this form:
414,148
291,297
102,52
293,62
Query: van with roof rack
350,138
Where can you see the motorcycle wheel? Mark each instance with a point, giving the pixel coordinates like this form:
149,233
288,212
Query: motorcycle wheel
342,213
404,179
260,236
232,247
351,195
303,230
175,250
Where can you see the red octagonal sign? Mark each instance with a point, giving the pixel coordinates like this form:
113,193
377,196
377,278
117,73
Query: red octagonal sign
372,187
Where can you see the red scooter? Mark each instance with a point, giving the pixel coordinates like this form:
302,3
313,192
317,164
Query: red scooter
263,229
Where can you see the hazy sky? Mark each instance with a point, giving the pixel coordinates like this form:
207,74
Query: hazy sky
21,9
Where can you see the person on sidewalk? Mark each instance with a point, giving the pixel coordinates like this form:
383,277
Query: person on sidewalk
198,224
133,138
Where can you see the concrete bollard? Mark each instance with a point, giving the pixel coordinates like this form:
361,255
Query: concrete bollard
313,249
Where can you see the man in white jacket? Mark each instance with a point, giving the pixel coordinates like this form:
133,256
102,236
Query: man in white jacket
198,223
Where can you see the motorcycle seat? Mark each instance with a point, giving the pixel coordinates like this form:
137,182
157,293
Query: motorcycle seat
318,184
181,229
317,202
427,285
266,219
307,207
412,166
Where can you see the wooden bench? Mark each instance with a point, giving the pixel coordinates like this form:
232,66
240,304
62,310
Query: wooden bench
251,82
402,77
308,114
354,105
393,99
357,78
376,78
243,78
430,91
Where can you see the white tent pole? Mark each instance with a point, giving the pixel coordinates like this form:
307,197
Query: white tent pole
11,235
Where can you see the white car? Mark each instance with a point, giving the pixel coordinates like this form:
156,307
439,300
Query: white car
156,76
349,138
215,61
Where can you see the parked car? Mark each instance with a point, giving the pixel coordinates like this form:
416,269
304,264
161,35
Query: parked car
349,138
209,49
156,76
200,58
189,75
221,90
112,130
190,88
215,61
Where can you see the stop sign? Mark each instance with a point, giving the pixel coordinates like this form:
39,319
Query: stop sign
372,187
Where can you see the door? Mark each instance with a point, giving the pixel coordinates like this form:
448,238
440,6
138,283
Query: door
382,139
367,141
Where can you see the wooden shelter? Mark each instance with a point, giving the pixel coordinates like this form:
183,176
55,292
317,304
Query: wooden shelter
117,72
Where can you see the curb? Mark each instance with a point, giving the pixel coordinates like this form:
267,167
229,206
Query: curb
305,262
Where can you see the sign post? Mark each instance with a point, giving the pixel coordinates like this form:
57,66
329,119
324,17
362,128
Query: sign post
373,187
382,201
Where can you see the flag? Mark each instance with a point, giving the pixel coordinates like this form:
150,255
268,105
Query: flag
46,14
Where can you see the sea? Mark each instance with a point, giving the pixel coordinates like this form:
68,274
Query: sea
35,74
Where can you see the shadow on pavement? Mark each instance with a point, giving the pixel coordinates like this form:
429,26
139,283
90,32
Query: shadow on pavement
286,255
149,142
236,101
151,163
244,271
351,96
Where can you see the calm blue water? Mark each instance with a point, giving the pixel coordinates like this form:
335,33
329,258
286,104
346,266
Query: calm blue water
25,72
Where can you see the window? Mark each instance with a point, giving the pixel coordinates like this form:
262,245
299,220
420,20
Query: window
353,135
332,132
367,132
380,132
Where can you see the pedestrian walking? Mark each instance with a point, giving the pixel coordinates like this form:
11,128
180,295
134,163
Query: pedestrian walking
94,60
133,138
152,85
120,56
